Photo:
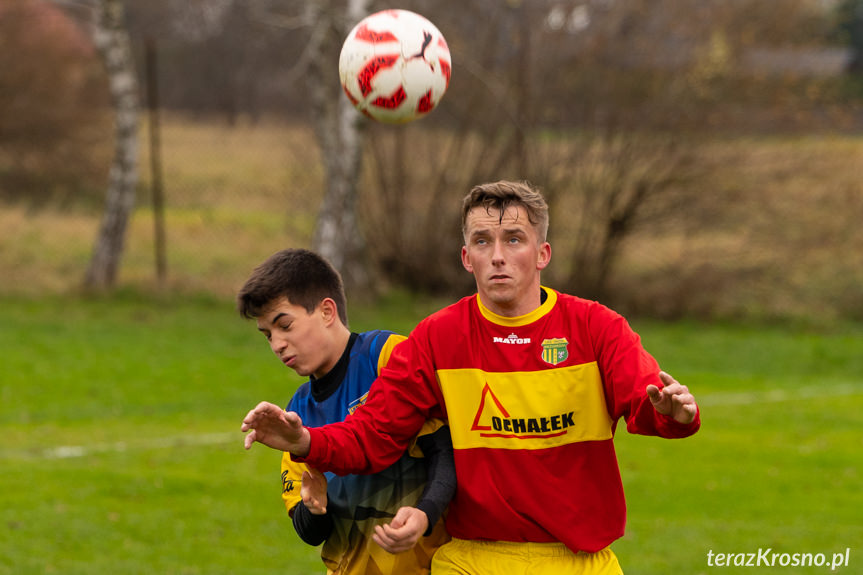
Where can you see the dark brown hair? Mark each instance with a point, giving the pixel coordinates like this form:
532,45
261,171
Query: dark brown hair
302,276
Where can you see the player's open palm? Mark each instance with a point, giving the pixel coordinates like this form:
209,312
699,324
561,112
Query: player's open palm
673,399
314,491
273,426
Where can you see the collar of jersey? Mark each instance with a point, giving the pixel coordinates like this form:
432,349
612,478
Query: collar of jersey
525,319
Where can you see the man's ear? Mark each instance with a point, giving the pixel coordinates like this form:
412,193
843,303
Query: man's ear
329,310
544,256
465,259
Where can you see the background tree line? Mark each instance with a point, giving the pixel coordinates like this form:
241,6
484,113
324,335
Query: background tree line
605,104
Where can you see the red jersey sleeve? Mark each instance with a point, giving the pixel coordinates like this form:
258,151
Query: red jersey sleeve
627,369
401,399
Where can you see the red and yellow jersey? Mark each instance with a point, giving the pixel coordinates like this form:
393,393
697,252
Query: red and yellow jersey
532,404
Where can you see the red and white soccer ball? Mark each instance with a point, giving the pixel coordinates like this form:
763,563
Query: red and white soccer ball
395,66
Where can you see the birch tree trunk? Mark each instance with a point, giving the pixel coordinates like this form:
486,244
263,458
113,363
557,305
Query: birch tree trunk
338,128
112,41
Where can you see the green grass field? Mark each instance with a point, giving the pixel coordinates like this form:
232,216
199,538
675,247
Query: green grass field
121,450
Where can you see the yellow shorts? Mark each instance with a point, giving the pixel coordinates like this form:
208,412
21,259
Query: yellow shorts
461,557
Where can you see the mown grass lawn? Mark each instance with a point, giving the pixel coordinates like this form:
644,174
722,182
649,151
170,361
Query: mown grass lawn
121,450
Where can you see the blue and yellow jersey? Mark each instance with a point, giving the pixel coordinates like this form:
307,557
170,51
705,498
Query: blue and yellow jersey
357,503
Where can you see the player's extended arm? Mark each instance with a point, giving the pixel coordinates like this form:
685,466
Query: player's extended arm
400,400
273,426
441,485
673,399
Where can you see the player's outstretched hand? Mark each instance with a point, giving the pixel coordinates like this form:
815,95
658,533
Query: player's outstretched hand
673,399
403,532
314,491
273,426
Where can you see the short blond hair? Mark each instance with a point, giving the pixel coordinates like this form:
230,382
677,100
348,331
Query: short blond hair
505,194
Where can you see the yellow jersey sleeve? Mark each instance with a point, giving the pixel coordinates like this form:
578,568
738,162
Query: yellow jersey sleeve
292,480
387,350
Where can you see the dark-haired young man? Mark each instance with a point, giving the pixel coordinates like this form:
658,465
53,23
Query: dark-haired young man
298,301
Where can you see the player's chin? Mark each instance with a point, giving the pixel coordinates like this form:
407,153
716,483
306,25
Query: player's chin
501,293
300,369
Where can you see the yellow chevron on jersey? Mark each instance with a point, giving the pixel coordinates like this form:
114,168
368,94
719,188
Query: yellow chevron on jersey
525,409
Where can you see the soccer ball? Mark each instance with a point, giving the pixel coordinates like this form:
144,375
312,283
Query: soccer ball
395,66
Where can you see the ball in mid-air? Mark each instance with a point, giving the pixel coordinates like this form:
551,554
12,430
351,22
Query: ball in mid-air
395,66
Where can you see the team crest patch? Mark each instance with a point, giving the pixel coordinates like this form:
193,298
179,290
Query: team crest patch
355,404
554,350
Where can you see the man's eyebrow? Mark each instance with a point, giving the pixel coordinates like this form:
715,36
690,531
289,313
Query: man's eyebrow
276,318
516,229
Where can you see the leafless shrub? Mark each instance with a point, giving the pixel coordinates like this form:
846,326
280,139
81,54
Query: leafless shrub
53,106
